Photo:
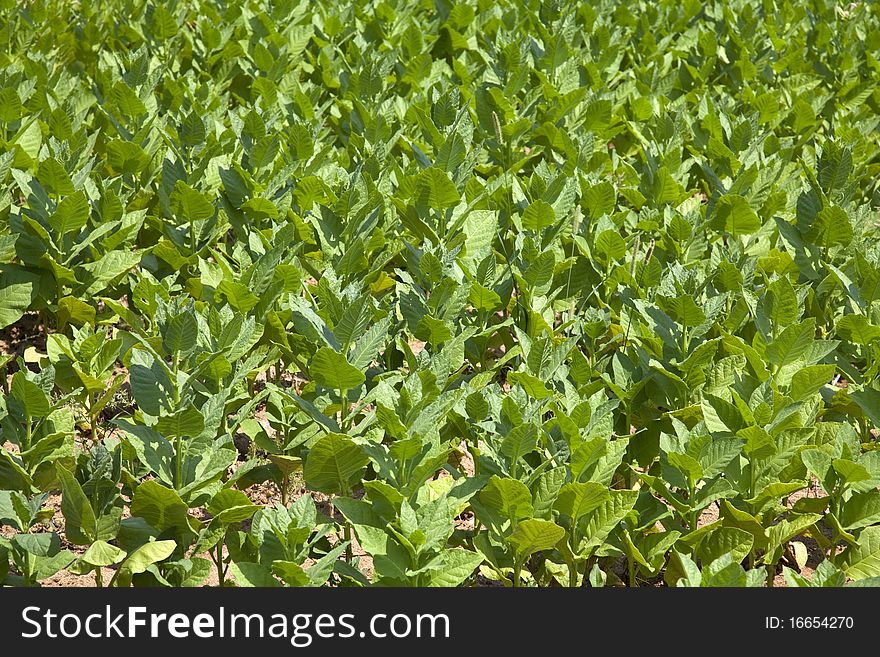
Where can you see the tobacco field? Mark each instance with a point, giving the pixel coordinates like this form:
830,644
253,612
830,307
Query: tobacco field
439,293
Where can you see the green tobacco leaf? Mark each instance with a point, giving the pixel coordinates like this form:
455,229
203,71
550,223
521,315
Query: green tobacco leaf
53,177
687,465
534,535
81,526
682,571
45,544
598,524
720,415
17,292
141,559
734,215
458,565
73,311
247,574
725,541
733,517
791,344
520,441
289,572
72,214
101,553
862,561
181,333
162,508
780,303
861,510
197,573
287,464
869,401
330,369
230,506
851,472
189,204
683,309
10,105
333,463
857,328
31,397
436,190
31,139
533,386
577,499
507,499
433,330
483,298
150,383
354,322
809,380
107,268
832,227
185,422
538,216
610,245
238,296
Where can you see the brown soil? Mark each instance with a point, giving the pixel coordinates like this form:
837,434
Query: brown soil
462,459
26,332
709,515
65,579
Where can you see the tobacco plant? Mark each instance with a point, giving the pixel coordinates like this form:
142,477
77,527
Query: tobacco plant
439,294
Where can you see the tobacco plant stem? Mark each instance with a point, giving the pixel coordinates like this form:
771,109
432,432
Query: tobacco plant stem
30,563
343,410
178,440
221,573
588,566
575,228
178,469
93,419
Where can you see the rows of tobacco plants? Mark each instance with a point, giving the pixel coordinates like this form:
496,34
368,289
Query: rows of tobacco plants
382,292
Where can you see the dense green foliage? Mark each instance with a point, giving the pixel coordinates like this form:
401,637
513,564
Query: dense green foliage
540,293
